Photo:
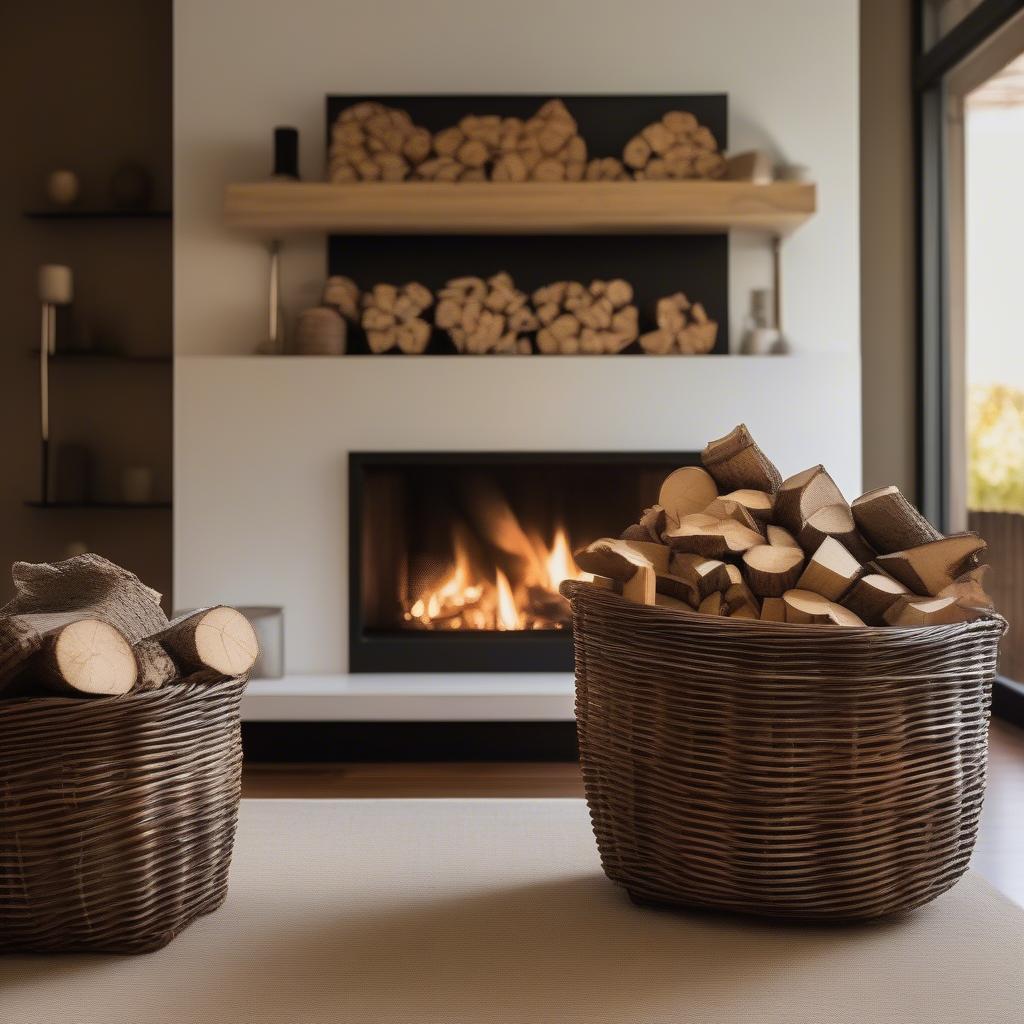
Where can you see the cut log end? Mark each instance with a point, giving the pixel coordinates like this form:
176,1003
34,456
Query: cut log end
89,657
226,642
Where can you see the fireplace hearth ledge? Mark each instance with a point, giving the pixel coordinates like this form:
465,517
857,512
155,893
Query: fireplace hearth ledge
413,697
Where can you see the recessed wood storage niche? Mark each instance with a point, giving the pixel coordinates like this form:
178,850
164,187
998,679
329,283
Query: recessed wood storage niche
455,558
656,265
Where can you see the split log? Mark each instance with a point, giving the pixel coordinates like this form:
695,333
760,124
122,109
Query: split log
675,147
685,491
342,293
780,537
682,328
929,568
608,168
656,553
616,559
677,587
834,521
88,656
773,609
831,571
720,508
713,538
758,503
641,587
804,607
391,317
702,575
737,463
890,523
713,604
927,611
872,596
654,521
969,590
771,571
218,638
373,142
800,496
486,316
741,602
545,147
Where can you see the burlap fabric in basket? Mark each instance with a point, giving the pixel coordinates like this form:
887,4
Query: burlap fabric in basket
795,771
117,815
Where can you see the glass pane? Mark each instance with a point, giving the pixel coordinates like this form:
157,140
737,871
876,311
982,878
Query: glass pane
994,338
942,15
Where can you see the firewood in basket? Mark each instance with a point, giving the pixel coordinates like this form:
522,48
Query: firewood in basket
641,587
713,538
663,600
616,559
741,602
771,571
834,521
780,537
218,638
156,666
804,607
773,609
722,508
686,490
928,568
758,503
969,590
713,604
801,495
910,610
736,462
831,571
657,554
88,656
890,523
872,596
677,587
704,575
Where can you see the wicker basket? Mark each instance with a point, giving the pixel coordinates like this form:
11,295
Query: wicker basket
791,771
117,816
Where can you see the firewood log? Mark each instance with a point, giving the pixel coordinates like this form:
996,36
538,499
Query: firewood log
342,293
88,656
156,666
929,568
831,571
675,147
713,604
677,587
713,538
373,142
703,575
485,316
685,491
773,609
720,508
741,602
657,554
800,496
927,611
391,317
969,591
682,328
890,523
780,537
545,147
804,607
736,462
872,596
616,559
218,638
771,571
758,503
641,587
834,521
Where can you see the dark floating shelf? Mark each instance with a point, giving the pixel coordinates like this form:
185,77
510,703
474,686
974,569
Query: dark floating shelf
99,504
104,357
98,214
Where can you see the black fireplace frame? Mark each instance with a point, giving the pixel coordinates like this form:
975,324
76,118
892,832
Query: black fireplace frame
488,651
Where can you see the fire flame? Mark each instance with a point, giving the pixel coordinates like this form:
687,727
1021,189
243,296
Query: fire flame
517,590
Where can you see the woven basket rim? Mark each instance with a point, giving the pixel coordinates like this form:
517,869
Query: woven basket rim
570,589
181,687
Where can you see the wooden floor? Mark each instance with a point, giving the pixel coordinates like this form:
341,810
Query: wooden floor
999,854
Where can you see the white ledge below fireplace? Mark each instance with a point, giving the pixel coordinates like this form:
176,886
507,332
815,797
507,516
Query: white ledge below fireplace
373,697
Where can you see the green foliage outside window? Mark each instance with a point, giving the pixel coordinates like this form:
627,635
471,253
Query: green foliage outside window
995,441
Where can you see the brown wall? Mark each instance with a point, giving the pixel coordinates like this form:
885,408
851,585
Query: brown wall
86,86
887,245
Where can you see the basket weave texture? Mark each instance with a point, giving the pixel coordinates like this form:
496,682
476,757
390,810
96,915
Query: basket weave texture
117,816
812,771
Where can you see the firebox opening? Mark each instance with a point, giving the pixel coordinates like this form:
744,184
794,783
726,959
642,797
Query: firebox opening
457,558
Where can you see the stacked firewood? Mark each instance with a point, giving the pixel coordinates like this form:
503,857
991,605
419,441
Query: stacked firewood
733,538
485,316
87,627
545,147
372,142
675,147
391,317
577,318
683,327
605,168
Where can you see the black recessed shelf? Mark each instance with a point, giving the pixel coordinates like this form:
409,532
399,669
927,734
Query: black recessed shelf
150,505
105,357
98,214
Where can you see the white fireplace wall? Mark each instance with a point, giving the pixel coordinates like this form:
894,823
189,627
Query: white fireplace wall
260,444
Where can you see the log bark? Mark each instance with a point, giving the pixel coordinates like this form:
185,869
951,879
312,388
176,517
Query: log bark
773,609
834,521
872,596
736,462
679,588
771,571
217,638
800,496
156,666
703,575
890,523
929,568
711,537
927,611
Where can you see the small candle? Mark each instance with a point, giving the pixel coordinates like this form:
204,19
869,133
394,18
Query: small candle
55,284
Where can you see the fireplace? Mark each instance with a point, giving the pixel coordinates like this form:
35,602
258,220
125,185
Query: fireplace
456,558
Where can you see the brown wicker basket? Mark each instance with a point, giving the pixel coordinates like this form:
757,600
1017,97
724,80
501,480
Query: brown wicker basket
793,771
117,816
